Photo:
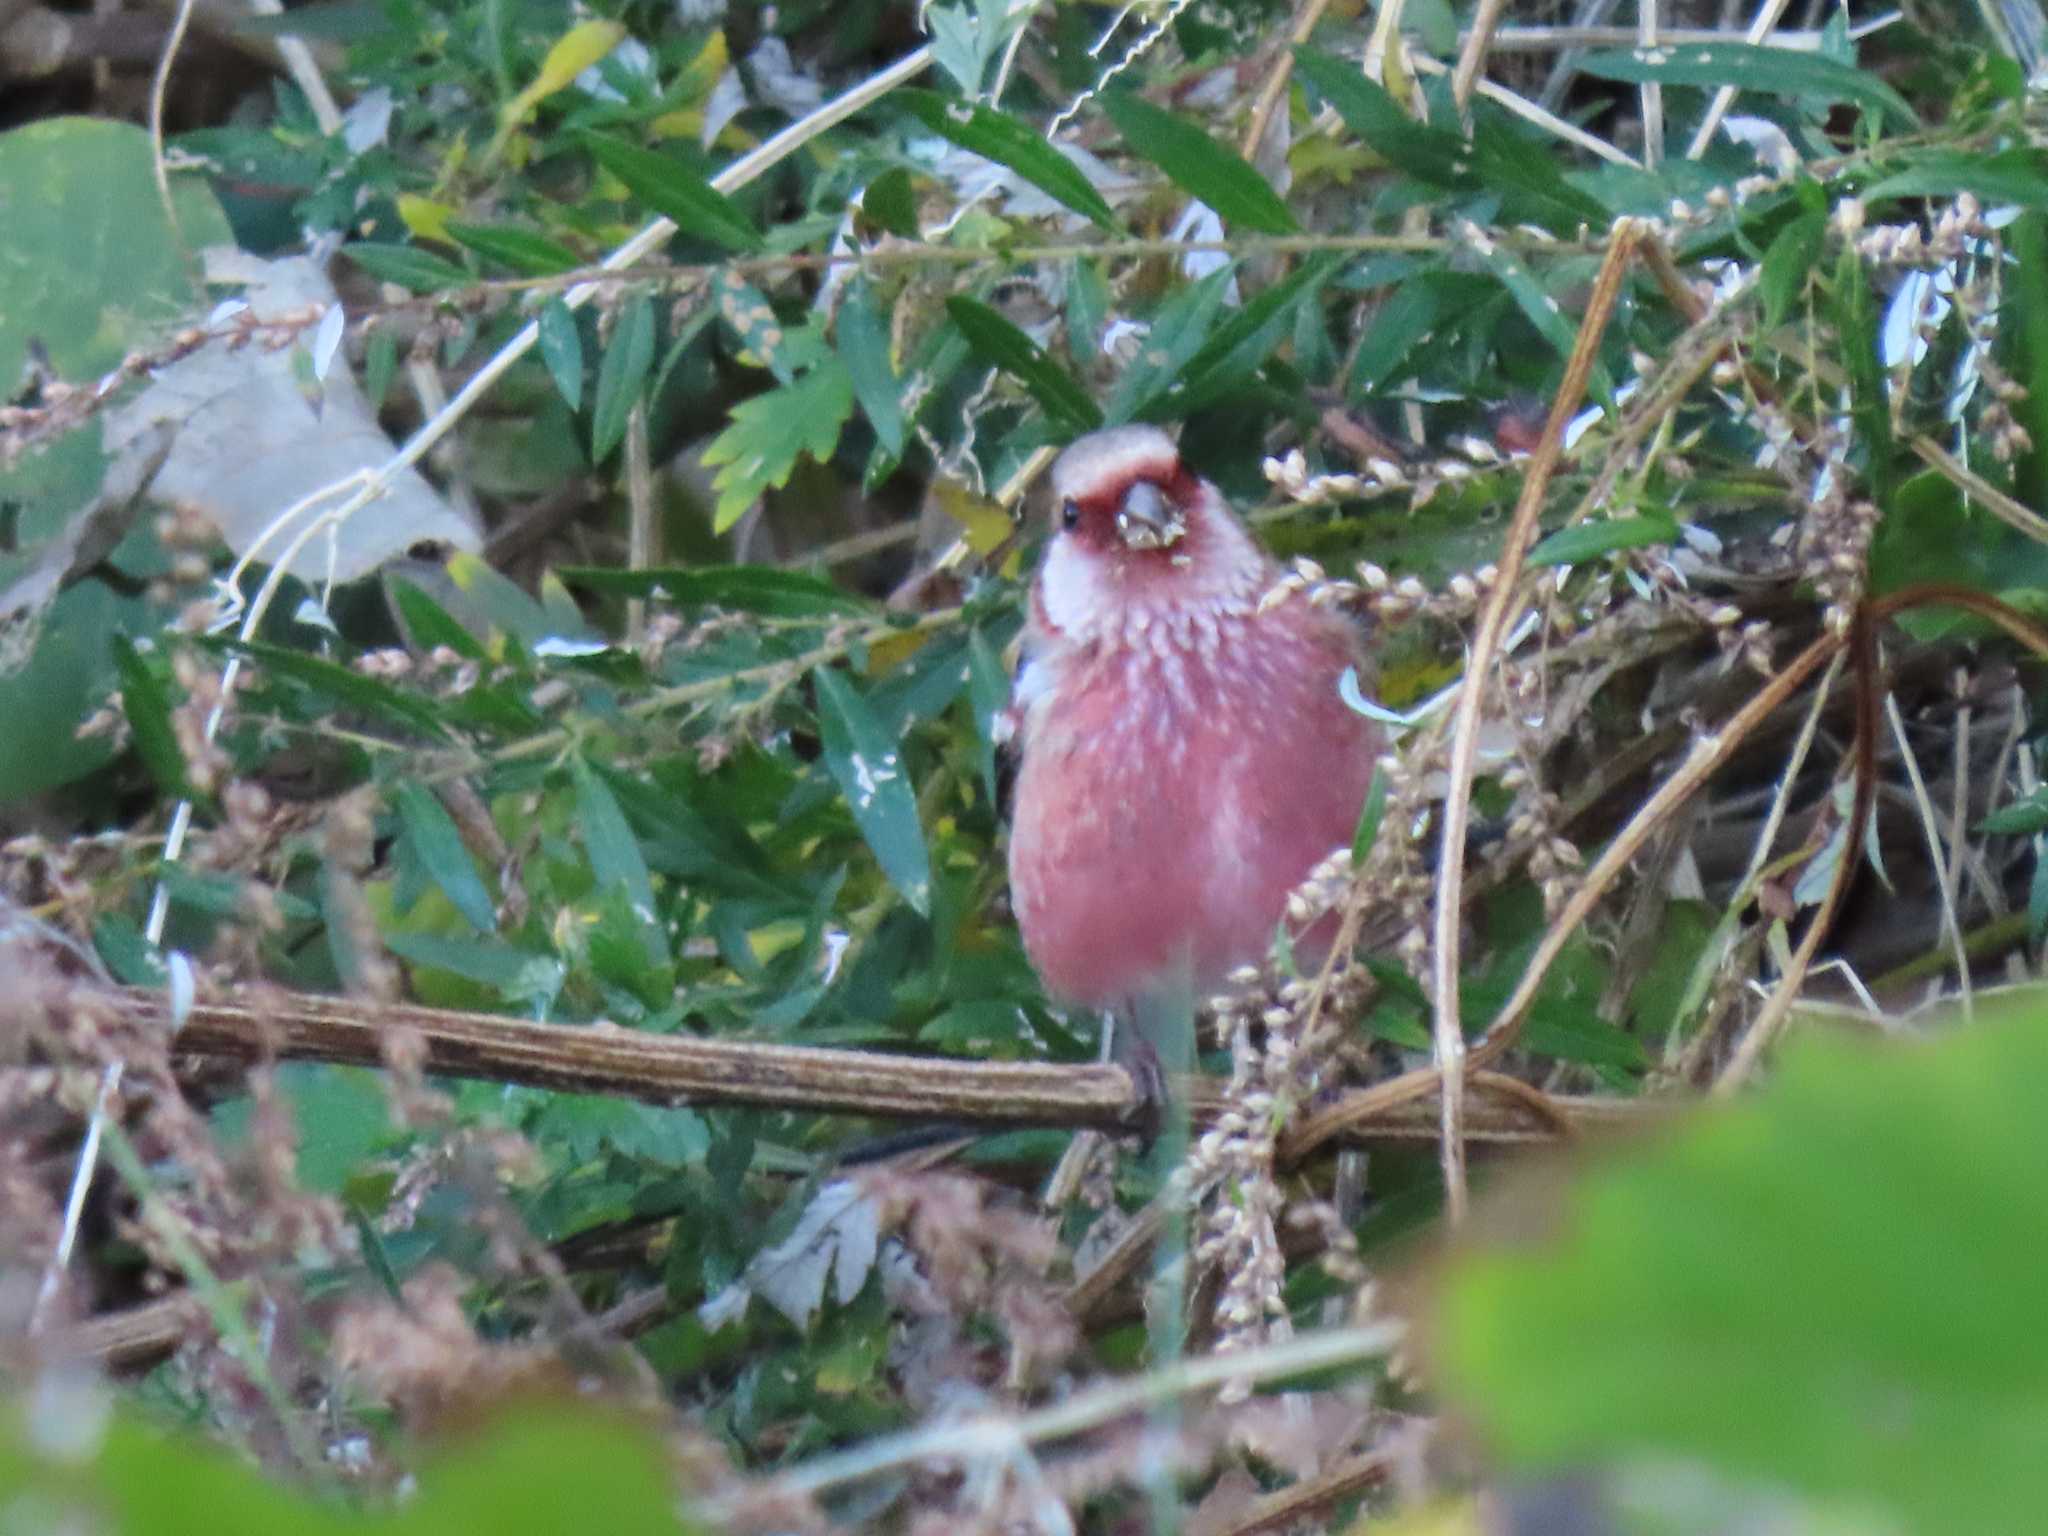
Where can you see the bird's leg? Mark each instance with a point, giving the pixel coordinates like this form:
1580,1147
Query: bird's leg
1126,1045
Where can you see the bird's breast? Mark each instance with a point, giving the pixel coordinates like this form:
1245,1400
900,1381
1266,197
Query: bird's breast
1174,787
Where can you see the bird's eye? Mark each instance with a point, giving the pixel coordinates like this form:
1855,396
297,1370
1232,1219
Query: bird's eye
1070,514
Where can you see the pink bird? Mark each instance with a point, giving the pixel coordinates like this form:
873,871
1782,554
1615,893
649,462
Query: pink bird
1186,758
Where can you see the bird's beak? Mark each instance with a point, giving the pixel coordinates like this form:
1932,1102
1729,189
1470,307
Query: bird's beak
1147,519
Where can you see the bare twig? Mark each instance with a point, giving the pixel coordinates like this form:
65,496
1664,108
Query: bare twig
1001,1434
1936,854
1302,1500
1472,58
1502,599
1767,15
1274,89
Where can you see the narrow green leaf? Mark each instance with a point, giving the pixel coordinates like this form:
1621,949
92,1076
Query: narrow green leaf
1788,263
1428,154
148,707
619,377
1497,159
864,348
1751,67
1542,311
2037,898
1001,343
561,348
743,588
522,250
1585,541
2022,816
1856,322
342,684
1247,336
1009,143
863,760
1406,316
1369,817
406,265
988,692
2016,176
1198,165
429,625
2027,239
1528,177
380,366
442,854
1183,323
670,188
615,856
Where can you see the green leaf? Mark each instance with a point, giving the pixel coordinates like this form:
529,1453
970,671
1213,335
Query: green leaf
148,707
1431,155
1198,165
1370,816
891,202
2016,176
671,189
2027,329
336,21
1009,143
784,350
429,625
1541,310
1247,336
988,692
406,265
1524,175
1754,1256
742,588
864,349
627,357
94,269
1407,315
770,432
863,760
443,855
1183,324
615,856
522,250
341,684
1788,263
1856,322
1585,541
1751,67
2022,816
1001,343
380,366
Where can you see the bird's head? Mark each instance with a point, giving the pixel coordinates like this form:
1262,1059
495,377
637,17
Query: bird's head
1124,490
1134,529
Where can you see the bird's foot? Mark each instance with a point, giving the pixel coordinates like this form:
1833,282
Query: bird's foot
1140,1059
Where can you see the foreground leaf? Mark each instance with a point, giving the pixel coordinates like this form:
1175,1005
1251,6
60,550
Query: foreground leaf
1813,1290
